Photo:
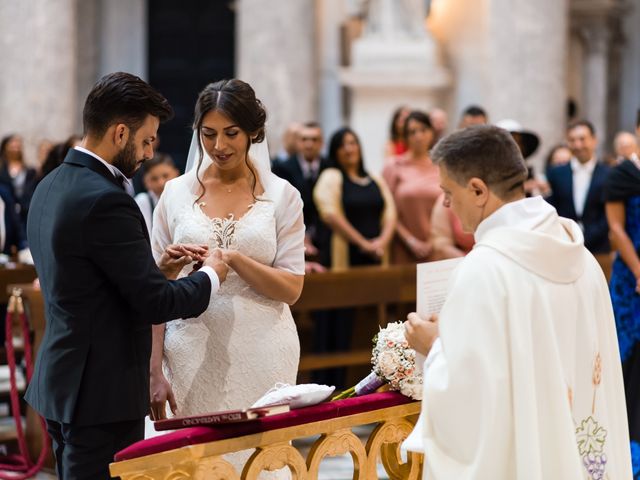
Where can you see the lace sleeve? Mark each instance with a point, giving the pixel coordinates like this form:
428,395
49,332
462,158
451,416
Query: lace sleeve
290,231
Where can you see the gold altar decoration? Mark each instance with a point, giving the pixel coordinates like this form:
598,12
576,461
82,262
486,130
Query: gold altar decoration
273,451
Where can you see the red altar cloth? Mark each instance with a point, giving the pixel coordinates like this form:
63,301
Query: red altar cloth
316,413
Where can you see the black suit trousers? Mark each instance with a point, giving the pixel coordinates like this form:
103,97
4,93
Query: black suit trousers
85,452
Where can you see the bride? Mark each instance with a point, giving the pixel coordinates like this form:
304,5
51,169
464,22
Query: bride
246,341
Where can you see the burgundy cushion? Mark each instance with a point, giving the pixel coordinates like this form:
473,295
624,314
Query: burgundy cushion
322,411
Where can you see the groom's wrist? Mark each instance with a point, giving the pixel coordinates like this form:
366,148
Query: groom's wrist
213,276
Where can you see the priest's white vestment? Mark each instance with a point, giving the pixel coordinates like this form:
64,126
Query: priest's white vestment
525,381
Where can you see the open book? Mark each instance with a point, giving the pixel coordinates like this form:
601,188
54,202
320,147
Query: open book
216,418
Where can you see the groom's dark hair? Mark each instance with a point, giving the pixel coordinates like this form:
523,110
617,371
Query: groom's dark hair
122,98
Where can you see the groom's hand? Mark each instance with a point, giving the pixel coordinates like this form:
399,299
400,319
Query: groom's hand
216,261
176,257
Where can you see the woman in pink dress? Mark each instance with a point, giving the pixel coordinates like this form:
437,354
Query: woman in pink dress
415,184
447,236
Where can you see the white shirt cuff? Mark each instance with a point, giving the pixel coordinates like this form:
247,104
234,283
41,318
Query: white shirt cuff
213,276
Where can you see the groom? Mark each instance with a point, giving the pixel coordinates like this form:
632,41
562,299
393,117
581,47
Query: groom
101,286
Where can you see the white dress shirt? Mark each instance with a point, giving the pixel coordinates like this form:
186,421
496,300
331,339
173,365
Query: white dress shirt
582,173
211,273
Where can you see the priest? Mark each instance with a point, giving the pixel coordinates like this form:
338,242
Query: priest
522,378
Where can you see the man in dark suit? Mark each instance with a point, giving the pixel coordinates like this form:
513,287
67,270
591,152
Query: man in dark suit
101,285
302,170
577,190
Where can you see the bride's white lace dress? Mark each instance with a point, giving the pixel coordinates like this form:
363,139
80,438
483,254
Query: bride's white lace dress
244,342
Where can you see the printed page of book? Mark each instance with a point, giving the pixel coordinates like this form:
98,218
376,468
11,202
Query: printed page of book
432,285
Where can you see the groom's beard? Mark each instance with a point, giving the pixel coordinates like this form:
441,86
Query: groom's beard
126,161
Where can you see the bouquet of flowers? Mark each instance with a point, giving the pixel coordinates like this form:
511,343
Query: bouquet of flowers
394,362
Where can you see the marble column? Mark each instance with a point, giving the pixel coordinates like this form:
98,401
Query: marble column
395,62
39,64
330,15
526,77
509,56
275,53
123,37
629,100
596,36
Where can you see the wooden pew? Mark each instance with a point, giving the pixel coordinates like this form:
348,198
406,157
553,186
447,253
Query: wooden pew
14,273
379,287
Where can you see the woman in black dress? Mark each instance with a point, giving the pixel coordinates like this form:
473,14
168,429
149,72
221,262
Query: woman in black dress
358,209
356,206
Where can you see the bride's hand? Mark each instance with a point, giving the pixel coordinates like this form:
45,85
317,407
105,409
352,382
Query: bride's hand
161,393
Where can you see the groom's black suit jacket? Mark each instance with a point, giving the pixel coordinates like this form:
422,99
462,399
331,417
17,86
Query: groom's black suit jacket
102,291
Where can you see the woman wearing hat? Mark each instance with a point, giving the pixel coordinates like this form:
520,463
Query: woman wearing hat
528,143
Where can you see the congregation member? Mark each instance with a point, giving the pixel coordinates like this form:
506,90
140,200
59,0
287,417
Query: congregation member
439,122
302,170
396,144
448,238
155,174
527,142
137,185
44,147
289,143
622,194
414,183
577,190
358,209
357,206
16,175
12,241
246,341
625,147
558,155
101,286
57,155
473,115
522,377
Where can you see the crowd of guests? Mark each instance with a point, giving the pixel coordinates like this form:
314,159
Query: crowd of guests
357,218
354,217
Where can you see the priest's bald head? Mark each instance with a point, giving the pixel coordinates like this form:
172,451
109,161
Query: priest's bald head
481,169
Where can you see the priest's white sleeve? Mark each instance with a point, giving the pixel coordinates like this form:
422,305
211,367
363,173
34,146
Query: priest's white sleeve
415,441
467,383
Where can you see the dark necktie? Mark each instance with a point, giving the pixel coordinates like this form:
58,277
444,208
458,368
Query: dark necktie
122,181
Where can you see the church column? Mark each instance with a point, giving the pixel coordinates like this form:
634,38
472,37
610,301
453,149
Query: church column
330,15
527,78
39,69
276,55
596,35
123,36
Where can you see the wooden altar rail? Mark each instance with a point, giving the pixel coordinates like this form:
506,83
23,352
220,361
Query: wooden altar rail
357,287
274,451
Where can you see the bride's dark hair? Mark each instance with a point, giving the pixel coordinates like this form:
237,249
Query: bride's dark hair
236,100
